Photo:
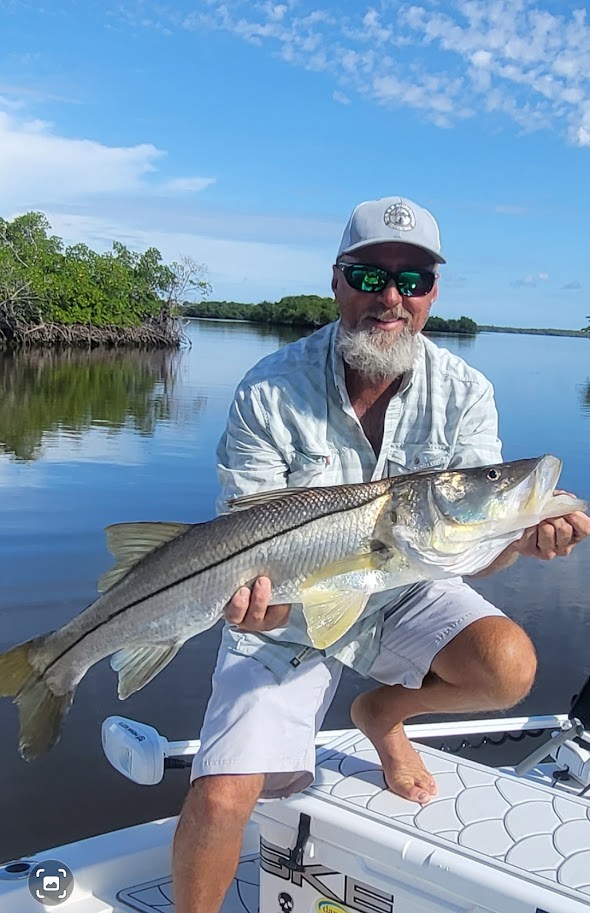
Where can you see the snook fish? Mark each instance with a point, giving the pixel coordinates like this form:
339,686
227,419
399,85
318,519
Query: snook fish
325,548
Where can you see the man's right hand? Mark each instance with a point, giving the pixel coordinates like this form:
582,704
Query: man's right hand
250,611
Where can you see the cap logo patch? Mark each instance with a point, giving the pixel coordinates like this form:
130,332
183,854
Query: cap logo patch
399,216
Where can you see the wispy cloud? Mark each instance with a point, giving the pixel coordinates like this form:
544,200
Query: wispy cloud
341,97
509,209
530,281
186,185
513,60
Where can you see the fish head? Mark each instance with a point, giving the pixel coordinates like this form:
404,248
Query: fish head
455,522
507,495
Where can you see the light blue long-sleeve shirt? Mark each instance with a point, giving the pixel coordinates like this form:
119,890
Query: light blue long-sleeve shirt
292,424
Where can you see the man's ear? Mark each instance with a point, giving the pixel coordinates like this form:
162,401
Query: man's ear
334,282
434,292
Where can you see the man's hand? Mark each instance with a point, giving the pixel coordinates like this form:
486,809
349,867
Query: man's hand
555,537
250,611
550,539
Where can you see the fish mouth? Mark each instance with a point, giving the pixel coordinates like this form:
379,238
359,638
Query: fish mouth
541,484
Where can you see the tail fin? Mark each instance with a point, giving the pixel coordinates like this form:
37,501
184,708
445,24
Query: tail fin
41,712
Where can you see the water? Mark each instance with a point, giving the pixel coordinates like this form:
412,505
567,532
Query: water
92,439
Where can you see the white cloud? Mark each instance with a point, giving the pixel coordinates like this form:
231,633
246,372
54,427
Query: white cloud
186,185
341,98
531,281
38,166
516,60
36,163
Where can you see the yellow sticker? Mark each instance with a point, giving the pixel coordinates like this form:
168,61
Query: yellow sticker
328,906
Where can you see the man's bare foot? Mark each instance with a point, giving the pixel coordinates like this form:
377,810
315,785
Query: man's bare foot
404,772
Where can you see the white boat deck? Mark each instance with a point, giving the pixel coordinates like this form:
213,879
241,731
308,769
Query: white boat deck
156,896
518,826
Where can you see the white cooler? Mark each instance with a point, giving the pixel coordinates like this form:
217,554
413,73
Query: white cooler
486,842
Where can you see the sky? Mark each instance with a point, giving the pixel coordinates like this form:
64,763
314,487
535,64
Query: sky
243,134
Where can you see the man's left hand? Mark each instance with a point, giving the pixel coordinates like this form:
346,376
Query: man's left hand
554,538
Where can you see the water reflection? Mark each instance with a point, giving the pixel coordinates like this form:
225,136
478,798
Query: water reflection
585,398
458,342
46,392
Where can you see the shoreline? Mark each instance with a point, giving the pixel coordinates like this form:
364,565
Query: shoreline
531,331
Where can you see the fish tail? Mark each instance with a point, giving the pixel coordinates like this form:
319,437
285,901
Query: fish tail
41,712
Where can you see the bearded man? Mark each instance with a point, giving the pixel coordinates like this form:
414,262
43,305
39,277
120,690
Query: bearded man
361,399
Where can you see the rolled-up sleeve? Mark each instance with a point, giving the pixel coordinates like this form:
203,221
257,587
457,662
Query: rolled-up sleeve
477,442
248,459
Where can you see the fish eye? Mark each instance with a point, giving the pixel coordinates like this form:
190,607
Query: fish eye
493,475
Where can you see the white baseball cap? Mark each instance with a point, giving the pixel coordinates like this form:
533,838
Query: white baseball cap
391,219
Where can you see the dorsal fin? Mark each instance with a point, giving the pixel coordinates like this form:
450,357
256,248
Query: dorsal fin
261,497
130,542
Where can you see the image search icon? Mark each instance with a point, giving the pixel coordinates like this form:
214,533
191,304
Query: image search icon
51,882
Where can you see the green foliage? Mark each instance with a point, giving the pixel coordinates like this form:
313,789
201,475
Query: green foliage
40,281
303,310
464,326
293,310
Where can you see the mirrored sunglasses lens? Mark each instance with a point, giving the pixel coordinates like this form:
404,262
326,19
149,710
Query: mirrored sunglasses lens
366,279
413,283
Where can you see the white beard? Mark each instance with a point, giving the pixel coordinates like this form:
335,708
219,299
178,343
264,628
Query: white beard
377,354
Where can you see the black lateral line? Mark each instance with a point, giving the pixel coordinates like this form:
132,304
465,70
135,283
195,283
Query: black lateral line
184,579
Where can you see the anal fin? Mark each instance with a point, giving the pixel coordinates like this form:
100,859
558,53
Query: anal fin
139,665
329,614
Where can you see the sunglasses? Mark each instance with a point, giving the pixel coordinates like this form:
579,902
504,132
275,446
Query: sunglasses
411,283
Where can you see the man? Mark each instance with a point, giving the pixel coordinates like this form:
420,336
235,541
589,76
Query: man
361,399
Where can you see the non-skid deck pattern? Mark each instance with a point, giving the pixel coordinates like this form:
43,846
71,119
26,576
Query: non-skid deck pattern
519,826
156,896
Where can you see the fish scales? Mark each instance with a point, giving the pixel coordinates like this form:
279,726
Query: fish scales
285,539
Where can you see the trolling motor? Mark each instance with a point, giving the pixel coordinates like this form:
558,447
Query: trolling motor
574,755
569,747
140,753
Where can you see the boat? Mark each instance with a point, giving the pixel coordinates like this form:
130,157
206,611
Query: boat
507,839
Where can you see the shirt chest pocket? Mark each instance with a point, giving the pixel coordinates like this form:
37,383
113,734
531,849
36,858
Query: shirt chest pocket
311,468
419,457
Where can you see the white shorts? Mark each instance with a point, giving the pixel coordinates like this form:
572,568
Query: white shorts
254,724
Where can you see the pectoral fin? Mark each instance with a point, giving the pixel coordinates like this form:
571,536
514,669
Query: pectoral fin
139,665
363,561
331,613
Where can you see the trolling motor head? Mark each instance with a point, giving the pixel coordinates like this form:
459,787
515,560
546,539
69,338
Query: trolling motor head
140,753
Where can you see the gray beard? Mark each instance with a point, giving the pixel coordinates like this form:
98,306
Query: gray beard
375,355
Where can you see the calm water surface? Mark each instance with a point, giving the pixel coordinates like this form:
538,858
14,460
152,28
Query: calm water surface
92,439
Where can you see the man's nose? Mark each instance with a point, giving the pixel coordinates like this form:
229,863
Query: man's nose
390,295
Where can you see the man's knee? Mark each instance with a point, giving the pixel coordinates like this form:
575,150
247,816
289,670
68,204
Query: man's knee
493,657
223,799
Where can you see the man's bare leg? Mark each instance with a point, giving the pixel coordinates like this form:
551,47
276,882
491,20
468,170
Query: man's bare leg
490,665
208,839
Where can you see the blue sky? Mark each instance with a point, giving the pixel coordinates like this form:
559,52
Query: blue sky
243,133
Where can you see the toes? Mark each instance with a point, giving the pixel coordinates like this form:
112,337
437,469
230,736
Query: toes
421,796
